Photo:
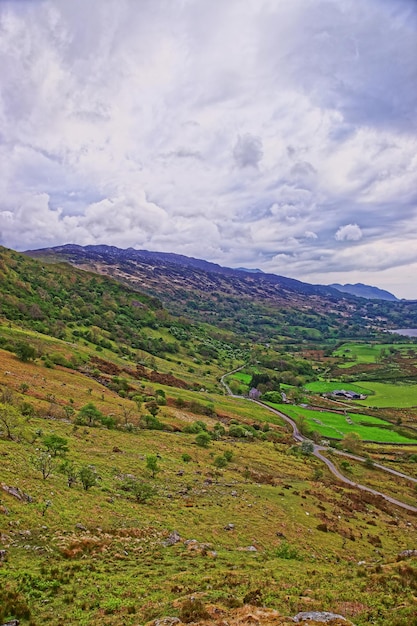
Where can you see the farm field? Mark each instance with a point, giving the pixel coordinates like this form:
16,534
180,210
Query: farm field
389,395
335,425
357,353
320,386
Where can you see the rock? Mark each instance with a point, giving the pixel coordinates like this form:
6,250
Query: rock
12,622
3,554
116,449
17,493
234,494
405,554
319,616
248,549
80,526
165,621
172,539
229,527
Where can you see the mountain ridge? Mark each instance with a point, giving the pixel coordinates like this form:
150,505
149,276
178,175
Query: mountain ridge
365,291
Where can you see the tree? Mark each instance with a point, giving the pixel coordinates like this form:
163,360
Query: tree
88,477
352,442
142,490
152,464
89,414
152,407
55,444
68,468
307,447
9,420
25,352
44,463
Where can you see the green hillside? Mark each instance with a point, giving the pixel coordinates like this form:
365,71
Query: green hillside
132,488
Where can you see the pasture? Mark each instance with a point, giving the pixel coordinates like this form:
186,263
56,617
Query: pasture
398,395
337,425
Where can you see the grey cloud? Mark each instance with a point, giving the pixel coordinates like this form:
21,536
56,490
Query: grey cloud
247,151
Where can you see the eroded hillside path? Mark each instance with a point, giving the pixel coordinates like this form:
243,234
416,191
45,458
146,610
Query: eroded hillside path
318,449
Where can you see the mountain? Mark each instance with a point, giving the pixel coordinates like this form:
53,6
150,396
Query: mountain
263,307
365,291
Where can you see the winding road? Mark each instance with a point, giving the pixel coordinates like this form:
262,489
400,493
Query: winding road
319,448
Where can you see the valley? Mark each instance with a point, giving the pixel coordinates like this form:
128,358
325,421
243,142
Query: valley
133,488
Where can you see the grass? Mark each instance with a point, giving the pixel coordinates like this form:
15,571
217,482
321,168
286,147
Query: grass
335,425
358,353
390,395
320,386
98,557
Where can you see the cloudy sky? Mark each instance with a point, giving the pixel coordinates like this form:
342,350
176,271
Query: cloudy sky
277,134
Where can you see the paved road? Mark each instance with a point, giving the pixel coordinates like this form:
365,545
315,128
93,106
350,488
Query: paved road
318,449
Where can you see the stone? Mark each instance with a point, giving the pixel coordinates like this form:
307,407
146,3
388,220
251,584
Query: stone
166,621
3,554
229,527
80,526
319,616
16,493
405,554
12,622
172,539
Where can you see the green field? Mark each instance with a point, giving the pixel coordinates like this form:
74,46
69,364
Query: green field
241,377
390,395
326,387
336,425
356,353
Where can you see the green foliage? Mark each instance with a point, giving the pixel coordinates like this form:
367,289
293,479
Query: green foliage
220,461
55,444
186,457
286,551
25,352
352,442
44,462
152,464
141,490
272,396
307,447
88,477
152,423
89,415
10,420
69,469
203,439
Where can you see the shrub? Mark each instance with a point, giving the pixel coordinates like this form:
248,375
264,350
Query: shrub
88,477
203,439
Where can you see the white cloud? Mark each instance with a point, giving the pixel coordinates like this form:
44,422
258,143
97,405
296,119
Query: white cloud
350,232
245,133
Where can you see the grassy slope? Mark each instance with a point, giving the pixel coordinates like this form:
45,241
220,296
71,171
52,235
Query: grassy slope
114,567
127,575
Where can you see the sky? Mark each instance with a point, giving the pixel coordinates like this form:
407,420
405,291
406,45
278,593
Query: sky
270,134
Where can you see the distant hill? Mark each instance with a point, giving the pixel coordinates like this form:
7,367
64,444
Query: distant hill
260,306
365,291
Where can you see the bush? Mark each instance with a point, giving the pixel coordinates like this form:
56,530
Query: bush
203,439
